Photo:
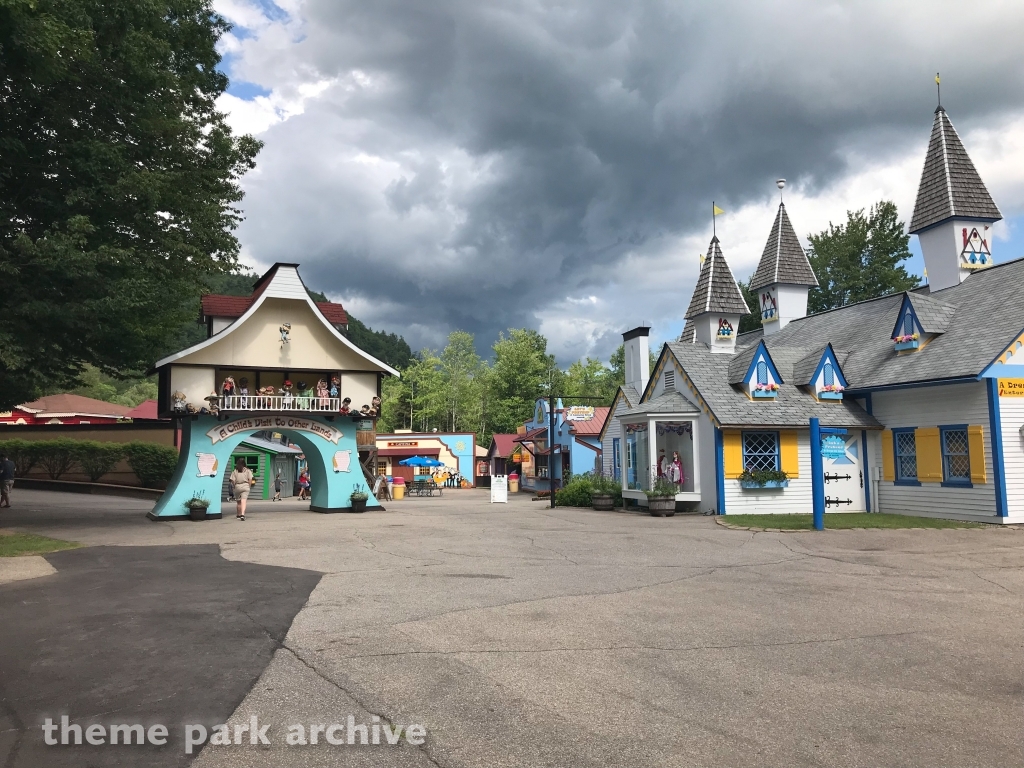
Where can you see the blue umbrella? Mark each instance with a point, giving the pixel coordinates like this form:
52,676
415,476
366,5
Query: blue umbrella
421,461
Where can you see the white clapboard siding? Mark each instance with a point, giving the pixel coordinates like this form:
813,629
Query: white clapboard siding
797,498
933,407
1011,416
613,430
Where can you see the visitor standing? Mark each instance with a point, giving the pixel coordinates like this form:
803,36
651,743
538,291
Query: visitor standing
6,480
241,481
304,485
278,484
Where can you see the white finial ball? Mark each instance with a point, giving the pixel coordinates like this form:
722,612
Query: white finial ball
780,183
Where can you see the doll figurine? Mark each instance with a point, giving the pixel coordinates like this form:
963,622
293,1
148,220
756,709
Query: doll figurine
214,403
243,392
286,394
335,389
322,395
365,410
286,330
346,406
178,400
227,389
302,397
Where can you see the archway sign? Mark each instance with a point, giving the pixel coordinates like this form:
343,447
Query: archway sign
274,362
332,458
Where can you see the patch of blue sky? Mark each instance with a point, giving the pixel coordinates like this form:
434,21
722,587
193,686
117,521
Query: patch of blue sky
245,90
271,10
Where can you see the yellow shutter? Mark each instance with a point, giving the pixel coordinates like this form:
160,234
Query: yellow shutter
976,446
788,454
888,467
929,455
732,448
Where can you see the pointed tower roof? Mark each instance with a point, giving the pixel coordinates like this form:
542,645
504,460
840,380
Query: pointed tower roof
950,184
783,260
716,289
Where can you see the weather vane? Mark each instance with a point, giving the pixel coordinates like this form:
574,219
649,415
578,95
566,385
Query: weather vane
781,184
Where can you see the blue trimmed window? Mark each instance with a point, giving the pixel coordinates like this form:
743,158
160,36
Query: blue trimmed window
908,324
762,372
760,451
829,373
904,445
956,456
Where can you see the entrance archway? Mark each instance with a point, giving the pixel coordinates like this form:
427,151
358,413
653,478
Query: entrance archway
332,458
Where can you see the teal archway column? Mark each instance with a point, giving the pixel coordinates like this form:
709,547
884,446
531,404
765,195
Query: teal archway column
332,458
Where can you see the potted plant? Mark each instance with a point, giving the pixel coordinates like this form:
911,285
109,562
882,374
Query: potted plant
603,491
197,506
661,498
766,390
763,478
906,341
359,497
831,392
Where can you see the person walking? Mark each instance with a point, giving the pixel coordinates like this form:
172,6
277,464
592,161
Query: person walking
278,484
6,480
241,481
304,486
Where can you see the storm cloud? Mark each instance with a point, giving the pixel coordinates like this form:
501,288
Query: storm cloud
482,165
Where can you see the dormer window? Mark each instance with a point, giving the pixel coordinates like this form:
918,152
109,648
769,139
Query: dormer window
821,373
920,319
756,373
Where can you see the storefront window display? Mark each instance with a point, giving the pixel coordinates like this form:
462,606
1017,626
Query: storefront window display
674,441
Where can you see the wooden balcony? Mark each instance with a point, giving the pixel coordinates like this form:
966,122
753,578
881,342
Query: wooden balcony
290,403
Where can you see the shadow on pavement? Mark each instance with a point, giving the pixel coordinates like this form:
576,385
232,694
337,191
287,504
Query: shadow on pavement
162,634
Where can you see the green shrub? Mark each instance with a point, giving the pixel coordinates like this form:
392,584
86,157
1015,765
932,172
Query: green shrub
24,454
575,493
153,464
662,487
97,459
58,456
761,476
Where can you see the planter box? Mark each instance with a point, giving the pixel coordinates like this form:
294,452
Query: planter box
830,395
661,505
197,513
907,345
765,394
751,485
358,505
603,502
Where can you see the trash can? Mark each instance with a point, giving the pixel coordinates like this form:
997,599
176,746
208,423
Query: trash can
513,483
398,488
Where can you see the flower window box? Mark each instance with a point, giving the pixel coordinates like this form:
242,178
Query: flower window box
748,485
831,392
909,341
759,479
766,391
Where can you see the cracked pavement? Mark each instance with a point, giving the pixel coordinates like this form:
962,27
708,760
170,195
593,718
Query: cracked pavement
525,636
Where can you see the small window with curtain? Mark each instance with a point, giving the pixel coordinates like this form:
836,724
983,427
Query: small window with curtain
956,457
761,451
904,444
762,372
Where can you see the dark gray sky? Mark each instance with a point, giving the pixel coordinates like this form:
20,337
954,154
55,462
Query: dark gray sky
479,165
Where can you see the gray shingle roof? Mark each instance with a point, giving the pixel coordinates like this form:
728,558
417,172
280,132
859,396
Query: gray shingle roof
950,184
669,401
864,331
631,395
783,260
933,314
689,334
716,289
793,407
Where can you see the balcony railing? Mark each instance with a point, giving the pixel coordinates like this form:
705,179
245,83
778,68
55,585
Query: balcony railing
279,403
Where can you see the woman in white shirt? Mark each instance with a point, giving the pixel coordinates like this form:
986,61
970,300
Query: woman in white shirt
241,481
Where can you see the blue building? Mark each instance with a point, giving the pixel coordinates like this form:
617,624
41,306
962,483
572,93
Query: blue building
576,443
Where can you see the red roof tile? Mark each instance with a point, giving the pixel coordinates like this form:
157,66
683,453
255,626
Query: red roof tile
75,404
591,426
217,305
502,445
144,410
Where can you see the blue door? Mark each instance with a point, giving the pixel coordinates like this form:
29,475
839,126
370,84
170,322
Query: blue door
630,462
616,459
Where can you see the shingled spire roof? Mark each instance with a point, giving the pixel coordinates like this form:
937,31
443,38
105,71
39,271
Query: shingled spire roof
783,260
716,289
950,184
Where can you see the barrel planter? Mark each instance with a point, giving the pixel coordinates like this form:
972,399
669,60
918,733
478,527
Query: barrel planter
603,502
661,505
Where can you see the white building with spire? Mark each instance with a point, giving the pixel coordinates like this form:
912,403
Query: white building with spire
921,393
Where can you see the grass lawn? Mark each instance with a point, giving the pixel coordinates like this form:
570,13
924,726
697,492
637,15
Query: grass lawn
15,544
844,520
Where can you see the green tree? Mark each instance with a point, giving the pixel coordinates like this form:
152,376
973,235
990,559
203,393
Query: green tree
461,371
521,372
118,183
752,321
389,347
861,259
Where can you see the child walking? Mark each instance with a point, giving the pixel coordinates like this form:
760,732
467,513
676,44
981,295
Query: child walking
278,483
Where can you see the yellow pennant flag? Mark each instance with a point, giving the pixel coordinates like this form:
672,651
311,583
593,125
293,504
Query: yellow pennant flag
716,210
937,81
701,257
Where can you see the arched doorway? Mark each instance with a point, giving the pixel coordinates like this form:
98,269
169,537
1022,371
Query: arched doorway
332,458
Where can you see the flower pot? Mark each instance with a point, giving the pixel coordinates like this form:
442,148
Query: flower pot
661,505
603,502
358,505
197,513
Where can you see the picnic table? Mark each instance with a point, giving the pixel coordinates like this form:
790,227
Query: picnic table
424,486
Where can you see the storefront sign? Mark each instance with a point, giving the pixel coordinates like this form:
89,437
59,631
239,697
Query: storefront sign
227,429
579,413
1011,387
404,444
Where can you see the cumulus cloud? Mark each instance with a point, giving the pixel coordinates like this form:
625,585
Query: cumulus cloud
481,165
